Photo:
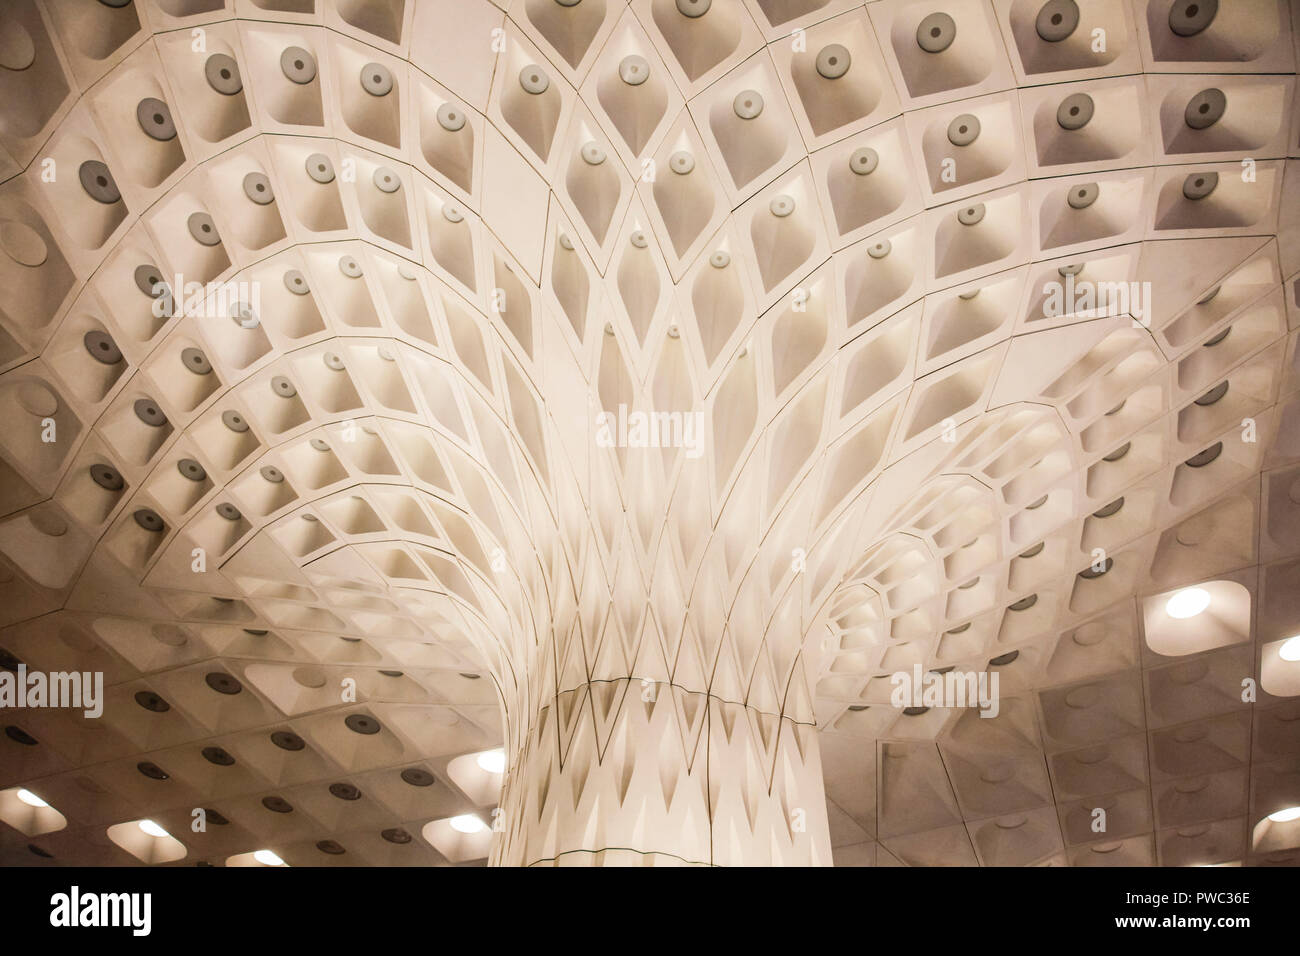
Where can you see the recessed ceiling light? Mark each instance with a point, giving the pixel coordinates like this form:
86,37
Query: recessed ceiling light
153,829
1286,815
1188,602
1289,651
268,858
31,799
493,761
467,823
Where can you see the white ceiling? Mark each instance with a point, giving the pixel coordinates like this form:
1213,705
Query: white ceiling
456,231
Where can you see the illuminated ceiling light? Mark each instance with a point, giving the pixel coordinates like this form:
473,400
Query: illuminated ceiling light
467,823
493,761
151,828
1188,602
31,799
268,858
1286,815
1290,650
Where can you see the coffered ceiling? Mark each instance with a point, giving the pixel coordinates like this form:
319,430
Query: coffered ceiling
332,340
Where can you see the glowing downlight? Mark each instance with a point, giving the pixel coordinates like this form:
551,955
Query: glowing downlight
268,858
151,828
1285,815
493,761
467,823
1289,651
1188,602
31,799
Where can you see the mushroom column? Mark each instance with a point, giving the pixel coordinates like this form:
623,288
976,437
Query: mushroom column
631,772
659,713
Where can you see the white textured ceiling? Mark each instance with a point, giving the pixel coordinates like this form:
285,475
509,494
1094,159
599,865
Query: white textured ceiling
470,228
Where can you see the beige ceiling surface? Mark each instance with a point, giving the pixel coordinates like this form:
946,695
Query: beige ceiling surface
976,321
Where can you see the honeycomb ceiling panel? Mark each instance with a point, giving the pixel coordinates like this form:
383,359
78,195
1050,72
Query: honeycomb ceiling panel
625,432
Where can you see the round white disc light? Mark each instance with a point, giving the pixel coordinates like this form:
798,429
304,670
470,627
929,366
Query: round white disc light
467,823
1188,602
493,761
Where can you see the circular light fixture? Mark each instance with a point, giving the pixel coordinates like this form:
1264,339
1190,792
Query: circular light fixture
964,129
31,799
935,33
1075,111
534,80
1105,511
196,361
451,118
320,168
493,761
98,182
1203,458
376,79
1083,196
257,187
1213,395
1188,602
151,828
1289,651
1199,185
203,229
1057,20
101,347
361,724
1205,108
1118,453
1285,815
1187,18
833,61
864,161
634,70
234,421
467,823
298,65
267,858
155,119
417,777
748,104
222,73
781,206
